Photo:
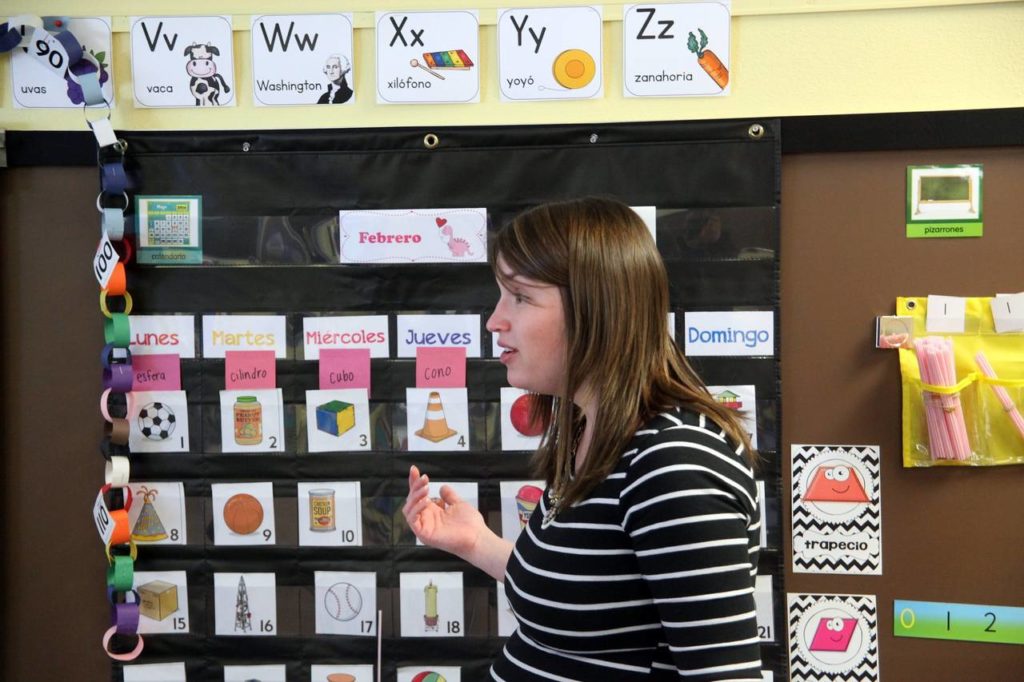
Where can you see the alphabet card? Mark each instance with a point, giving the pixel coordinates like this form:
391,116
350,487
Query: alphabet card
252,420
157,421
243,513
519,430
155,672
519,499
338,420
550,53
248,673
346,603
676,49
837,509
833,637
183,61
245,604
438,331
413,236
433,673
437,419
432,605
740,399
428,57
330,514
347,671
40,77
157,515
163,602
302,59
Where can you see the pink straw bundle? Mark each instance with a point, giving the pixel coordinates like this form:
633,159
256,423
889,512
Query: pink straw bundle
1001,394
947,431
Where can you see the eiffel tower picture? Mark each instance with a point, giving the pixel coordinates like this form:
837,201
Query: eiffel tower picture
243,616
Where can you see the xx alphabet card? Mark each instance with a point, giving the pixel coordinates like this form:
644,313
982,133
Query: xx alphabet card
837,509
413,236
550,53
40,77
428,57
833,637
302,59
183,61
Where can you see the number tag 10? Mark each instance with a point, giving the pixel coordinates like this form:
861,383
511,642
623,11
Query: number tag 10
105,260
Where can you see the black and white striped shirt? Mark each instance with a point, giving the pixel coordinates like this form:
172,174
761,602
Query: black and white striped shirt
649,578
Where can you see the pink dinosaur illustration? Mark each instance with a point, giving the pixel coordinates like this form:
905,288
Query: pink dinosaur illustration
458,247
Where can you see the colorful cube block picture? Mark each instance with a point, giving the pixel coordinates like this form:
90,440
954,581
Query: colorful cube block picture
335,417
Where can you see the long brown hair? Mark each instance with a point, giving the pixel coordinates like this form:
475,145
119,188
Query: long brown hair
614,291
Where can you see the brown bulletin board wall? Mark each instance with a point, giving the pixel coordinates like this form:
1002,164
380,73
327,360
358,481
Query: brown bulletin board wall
948,534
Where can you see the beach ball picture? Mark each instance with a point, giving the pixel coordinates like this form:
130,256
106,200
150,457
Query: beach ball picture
574,69
429,676
156,421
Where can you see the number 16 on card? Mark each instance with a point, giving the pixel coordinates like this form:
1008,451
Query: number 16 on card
966,622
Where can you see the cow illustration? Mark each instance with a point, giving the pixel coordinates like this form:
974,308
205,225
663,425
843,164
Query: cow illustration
206,84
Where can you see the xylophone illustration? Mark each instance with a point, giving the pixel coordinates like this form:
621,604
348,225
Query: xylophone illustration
448,60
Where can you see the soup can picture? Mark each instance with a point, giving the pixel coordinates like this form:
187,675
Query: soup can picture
321,510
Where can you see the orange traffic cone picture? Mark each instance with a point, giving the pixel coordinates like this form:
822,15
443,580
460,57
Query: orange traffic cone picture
435,426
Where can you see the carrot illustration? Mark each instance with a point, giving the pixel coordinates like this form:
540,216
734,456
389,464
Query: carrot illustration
708,60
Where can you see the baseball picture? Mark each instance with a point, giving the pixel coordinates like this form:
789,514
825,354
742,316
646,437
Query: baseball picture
346,603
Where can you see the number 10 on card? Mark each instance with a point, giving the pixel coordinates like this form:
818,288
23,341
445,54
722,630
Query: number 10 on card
966,622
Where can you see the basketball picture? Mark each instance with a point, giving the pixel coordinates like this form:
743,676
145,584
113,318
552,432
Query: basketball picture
243,513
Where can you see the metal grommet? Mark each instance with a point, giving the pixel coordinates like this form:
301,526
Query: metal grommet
756,131
246,146
593,138
430,141
121,146
911,305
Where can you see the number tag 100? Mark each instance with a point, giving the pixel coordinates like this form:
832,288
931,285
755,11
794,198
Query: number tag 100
105,261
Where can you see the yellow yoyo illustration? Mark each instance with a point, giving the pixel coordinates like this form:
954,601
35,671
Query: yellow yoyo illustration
574,69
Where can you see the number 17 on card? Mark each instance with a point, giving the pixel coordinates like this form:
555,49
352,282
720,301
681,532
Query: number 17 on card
966,622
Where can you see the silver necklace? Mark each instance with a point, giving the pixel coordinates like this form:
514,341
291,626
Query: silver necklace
555,497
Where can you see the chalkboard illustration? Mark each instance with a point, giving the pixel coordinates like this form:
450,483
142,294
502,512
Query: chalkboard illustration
206,84
338,92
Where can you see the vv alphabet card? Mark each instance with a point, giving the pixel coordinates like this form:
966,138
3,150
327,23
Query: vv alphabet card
183,61
837,509
550,53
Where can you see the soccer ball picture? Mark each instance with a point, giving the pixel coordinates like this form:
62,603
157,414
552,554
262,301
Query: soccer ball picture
156,421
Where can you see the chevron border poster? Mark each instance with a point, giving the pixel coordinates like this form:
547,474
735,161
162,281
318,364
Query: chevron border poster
833,637
837,509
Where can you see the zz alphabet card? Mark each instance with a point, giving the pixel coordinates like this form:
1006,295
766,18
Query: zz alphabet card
837,509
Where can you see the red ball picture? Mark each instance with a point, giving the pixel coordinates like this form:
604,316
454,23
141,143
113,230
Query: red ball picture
520,416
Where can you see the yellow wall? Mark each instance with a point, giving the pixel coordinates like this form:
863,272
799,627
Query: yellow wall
789,58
